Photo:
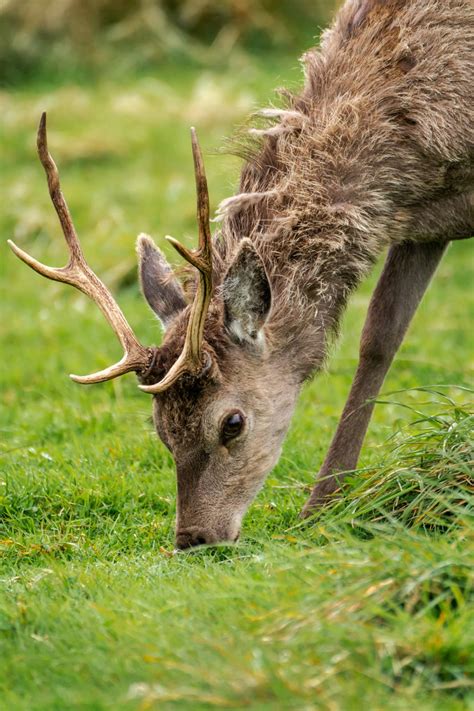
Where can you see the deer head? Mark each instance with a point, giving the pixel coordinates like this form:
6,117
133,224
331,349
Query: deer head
222,393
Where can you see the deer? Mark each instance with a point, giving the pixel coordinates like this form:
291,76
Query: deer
373,156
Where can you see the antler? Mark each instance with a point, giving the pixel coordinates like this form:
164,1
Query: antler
190,359
77,273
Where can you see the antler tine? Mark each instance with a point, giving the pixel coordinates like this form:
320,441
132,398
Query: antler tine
77,273
202,196
57,198
190,359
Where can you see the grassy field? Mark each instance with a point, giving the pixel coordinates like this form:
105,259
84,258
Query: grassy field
369,605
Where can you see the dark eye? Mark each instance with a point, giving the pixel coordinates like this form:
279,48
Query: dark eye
232,426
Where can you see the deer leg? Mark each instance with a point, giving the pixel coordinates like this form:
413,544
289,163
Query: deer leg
405,277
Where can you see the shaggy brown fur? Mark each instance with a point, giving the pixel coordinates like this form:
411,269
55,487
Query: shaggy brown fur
382,129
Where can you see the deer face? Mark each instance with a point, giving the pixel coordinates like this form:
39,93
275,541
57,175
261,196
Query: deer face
225,436
226,425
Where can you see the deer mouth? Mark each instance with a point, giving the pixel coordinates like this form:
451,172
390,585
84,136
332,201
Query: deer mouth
194,536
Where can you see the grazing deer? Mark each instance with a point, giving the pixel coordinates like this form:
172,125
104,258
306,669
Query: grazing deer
376,152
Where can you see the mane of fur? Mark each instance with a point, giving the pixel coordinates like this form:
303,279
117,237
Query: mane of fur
332,177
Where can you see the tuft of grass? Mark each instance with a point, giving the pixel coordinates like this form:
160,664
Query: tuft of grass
426,477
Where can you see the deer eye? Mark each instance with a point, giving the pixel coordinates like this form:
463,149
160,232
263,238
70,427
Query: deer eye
232,426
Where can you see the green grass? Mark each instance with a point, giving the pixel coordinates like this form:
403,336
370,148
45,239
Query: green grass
369,605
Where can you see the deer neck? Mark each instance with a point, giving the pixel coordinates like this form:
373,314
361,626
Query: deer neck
310,291
318,230
311,278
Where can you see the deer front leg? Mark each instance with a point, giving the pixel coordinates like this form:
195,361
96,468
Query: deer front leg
405,277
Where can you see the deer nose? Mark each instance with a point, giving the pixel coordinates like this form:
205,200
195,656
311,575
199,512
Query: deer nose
190,539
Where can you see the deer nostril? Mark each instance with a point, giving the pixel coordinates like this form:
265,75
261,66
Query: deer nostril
200,541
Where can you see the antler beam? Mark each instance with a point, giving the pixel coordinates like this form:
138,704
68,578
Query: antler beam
77,273
191,358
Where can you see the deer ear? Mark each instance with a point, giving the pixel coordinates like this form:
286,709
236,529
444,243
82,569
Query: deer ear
247,295
160,288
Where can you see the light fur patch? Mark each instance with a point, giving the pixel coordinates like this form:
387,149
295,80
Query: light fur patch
238,202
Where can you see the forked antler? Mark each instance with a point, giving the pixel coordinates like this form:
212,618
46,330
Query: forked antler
77,273
190,360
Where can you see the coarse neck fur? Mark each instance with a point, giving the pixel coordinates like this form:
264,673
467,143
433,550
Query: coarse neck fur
333,178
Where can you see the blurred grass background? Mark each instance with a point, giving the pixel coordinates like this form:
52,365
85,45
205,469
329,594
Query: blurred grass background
80,37
371,604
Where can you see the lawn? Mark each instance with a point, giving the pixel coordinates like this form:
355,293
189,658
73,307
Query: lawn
368,605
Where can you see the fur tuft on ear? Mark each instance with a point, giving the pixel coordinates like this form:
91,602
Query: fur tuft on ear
247,295
159,286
